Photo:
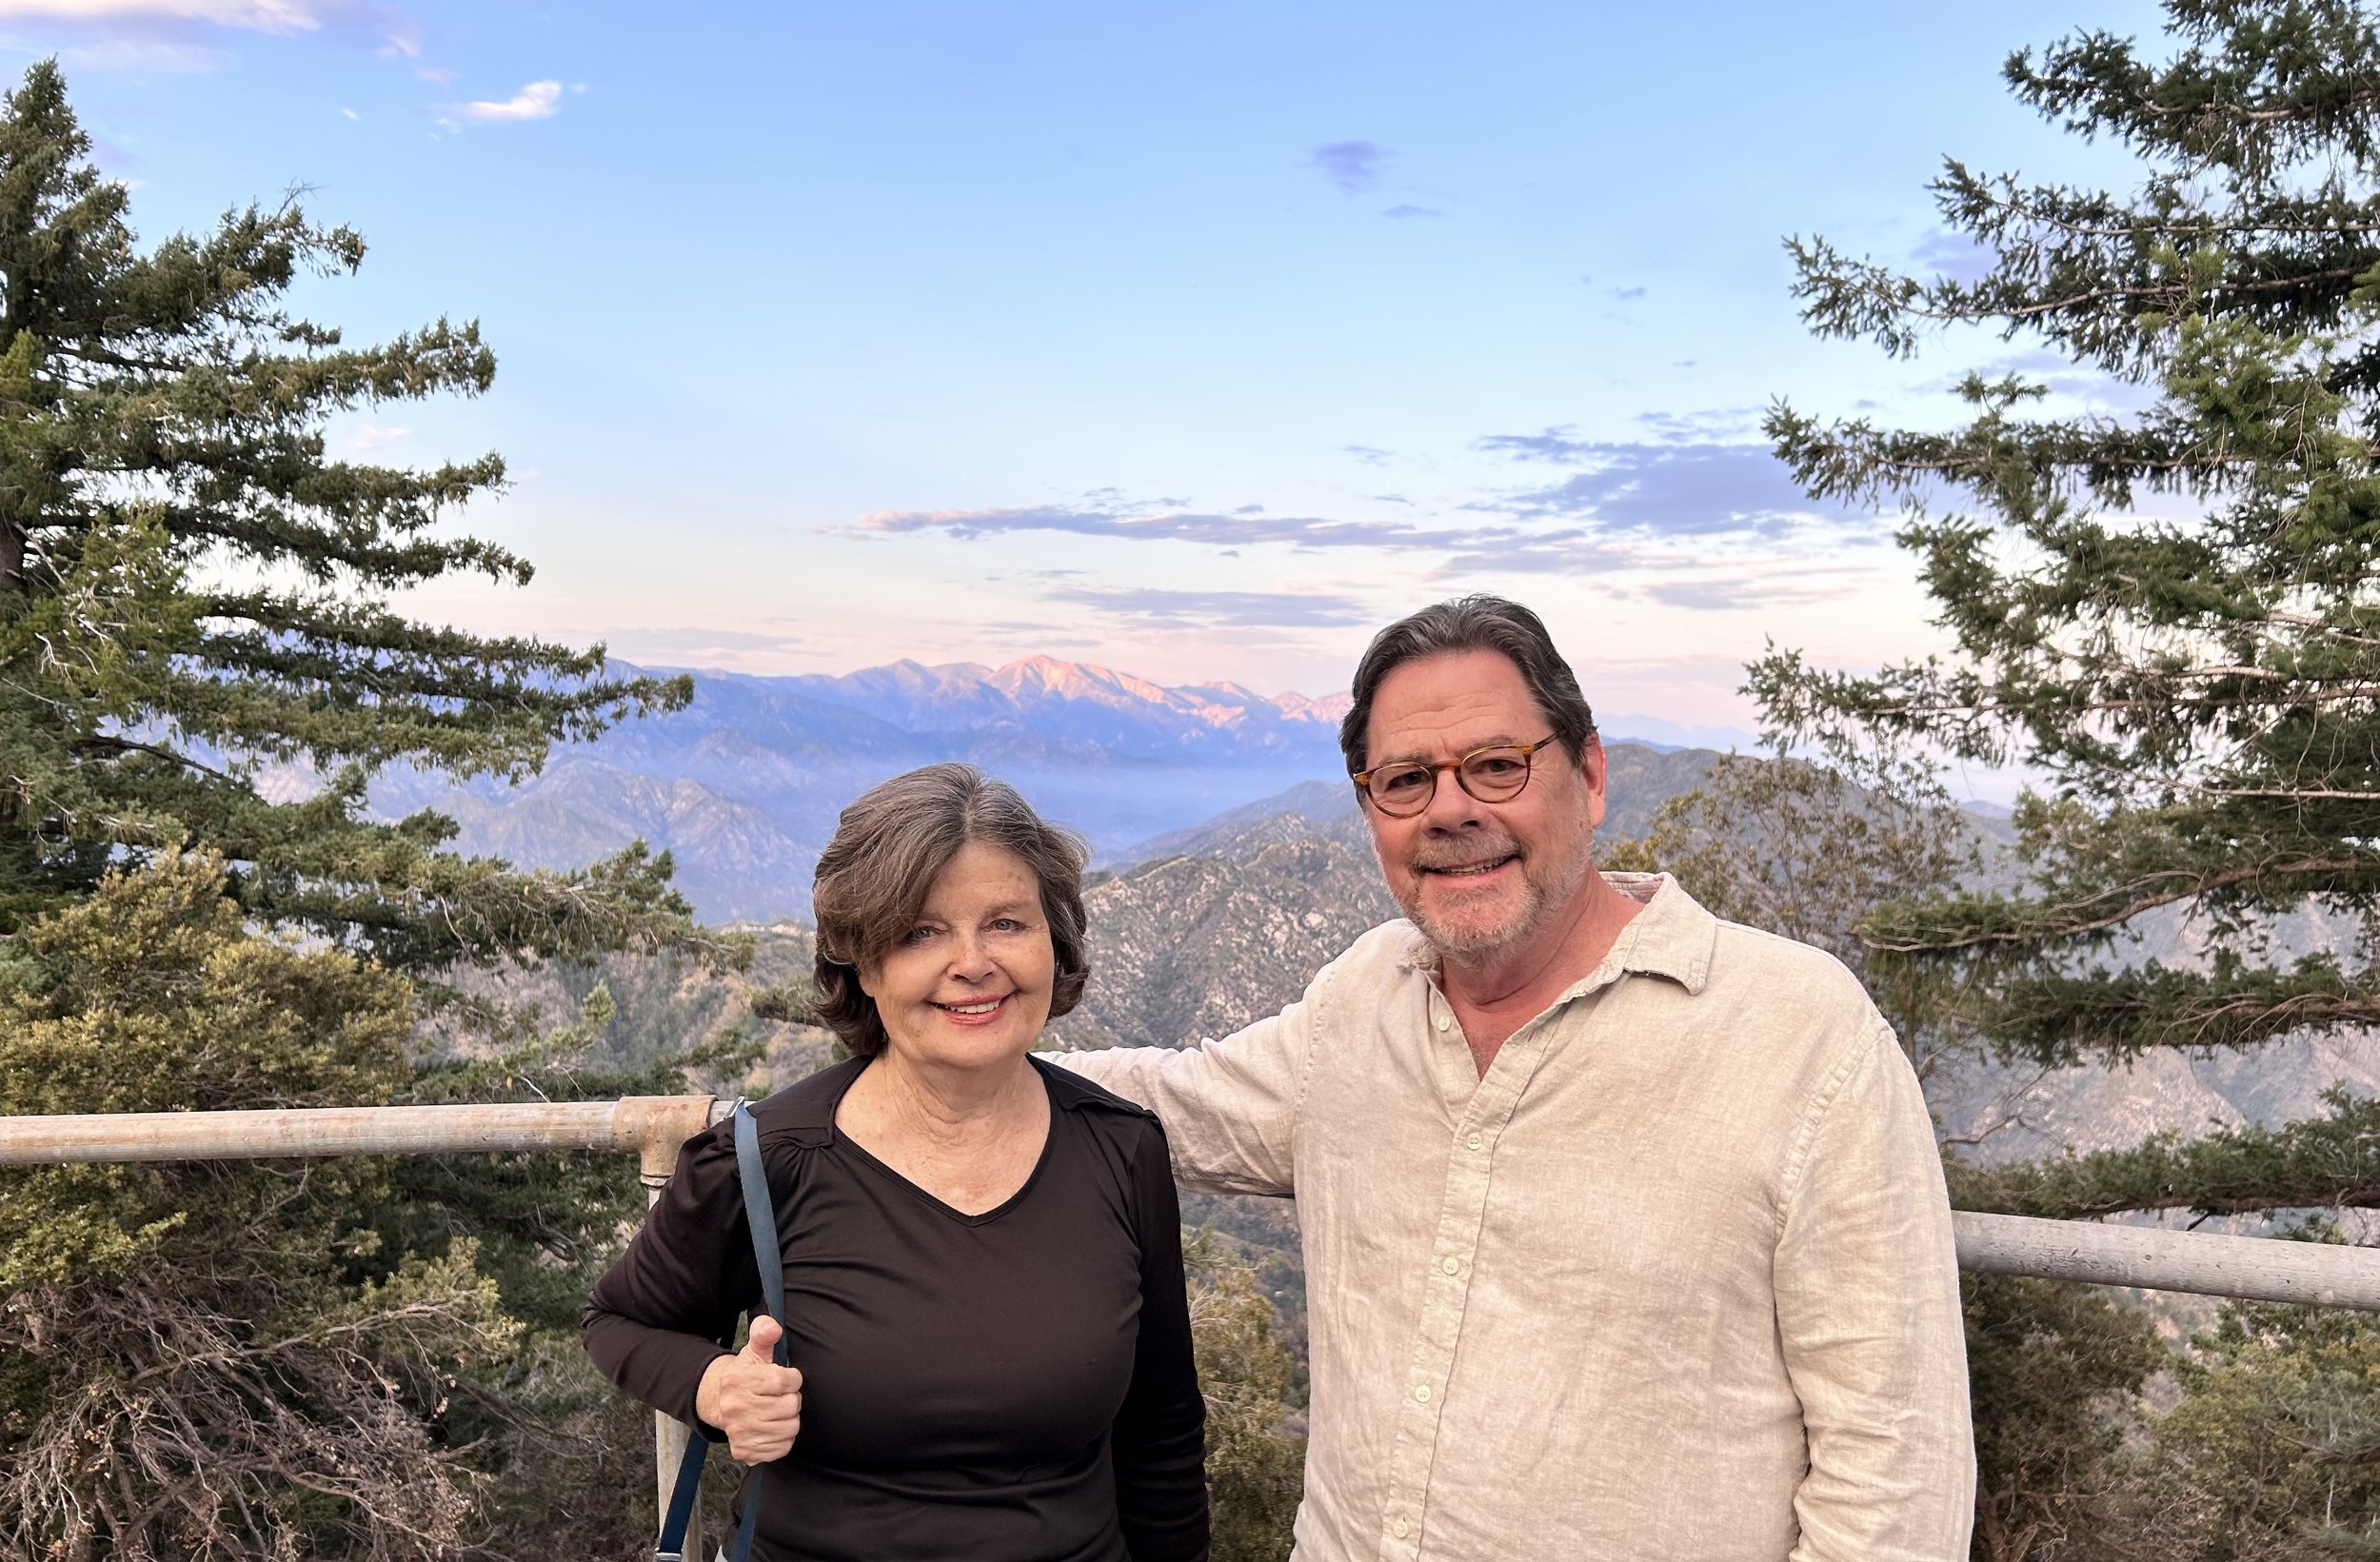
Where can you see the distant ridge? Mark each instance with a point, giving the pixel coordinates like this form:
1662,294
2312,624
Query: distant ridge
1076,696
743,787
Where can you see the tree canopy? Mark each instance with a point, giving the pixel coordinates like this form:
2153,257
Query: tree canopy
2200,685
193,590
2171,615
200,675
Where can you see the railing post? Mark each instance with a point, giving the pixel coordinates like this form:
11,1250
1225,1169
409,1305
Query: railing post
656,1157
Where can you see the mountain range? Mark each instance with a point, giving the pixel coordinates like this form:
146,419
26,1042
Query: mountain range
743,786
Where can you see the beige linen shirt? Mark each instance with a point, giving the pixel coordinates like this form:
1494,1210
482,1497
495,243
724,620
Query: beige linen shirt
1674,1280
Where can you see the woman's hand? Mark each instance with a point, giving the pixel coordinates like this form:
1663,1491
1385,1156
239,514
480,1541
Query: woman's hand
757,1403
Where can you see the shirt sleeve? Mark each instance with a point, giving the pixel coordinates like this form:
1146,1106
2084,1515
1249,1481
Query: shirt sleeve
1230,1107
662,1313
1160,1438
1868,1313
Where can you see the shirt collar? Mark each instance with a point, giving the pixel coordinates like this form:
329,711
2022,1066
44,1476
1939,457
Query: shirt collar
1671,936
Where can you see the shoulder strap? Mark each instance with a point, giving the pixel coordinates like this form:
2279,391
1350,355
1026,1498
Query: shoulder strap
759,1214
671,1546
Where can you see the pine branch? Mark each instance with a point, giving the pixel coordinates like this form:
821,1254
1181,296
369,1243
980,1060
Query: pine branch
2326,1162
126,745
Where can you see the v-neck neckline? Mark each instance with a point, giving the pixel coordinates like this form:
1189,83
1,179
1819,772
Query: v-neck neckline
860,1153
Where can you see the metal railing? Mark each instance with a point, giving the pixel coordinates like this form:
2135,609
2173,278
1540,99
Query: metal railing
652,1128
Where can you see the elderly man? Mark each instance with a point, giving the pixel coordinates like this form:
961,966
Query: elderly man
1625,1234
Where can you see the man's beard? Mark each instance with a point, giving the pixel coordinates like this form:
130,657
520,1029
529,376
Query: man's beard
1549,878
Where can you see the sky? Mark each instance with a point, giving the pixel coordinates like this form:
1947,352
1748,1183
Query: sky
1196,341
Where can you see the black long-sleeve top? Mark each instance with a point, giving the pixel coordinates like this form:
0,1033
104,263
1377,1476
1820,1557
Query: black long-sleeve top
1014,1385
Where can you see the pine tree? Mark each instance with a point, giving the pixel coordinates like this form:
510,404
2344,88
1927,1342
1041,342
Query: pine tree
192,590
2204,694
2201,693
367,1359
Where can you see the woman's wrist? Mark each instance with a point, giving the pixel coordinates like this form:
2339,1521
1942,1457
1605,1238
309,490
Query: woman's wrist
707,1391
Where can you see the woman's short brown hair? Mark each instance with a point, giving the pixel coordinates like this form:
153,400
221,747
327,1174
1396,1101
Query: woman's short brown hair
874,877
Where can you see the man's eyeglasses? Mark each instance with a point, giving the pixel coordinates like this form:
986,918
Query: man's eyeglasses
1494,774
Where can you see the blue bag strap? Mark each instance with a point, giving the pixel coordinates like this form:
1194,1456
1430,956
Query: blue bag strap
760,1213
672,1546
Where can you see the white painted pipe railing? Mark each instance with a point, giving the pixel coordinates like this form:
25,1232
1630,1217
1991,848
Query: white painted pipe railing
2253,1268
652,1127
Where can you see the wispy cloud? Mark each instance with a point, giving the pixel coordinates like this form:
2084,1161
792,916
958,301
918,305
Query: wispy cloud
1684,518
538,100
1669,488
1468,547
373,436
1154,608
1413,211
1749,583
1953,255
136,56
149,36
1554,444
1099,516
283,16
1353,165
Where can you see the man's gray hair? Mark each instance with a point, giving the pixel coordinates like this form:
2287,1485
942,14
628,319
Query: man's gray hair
1479,622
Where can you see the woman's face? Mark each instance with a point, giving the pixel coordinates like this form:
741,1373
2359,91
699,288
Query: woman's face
969,987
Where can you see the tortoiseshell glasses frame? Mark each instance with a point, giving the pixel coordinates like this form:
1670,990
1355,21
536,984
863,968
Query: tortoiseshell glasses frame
1498,773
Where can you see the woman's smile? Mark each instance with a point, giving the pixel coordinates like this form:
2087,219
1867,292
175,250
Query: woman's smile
974,1011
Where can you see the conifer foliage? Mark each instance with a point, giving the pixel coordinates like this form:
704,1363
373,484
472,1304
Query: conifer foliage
200,676
193,589
2202,689
2172,616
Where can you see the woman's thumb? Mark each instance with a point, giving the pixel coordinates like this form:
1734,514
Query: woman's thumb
765,1333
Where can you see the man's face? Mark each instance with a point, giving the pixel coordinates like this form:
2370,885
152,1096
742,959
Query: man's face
1478,877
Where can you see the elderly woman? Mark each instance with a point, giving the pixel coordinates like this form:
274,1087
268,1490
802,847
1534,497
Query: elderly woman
989,1343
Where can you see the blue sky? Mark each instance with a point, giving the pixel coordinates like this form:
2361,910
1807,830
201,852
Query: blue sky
1192,340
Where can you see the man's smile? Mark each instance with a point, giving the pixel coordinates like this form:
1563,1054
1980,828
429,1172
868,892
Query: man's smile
1468,870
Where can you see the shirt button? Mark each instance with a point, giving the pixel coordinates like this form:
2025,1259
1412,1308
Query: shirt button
1442,1022
1452,1266
1421,1392
1473,1141
1400,1529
